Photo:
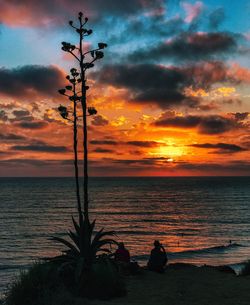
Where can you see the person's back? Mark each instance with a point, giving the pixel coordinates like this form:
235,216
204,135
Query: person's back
158,258
122,254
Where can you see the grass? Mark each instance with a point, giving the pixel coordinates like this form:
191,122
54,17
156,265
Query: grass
39,285
46,284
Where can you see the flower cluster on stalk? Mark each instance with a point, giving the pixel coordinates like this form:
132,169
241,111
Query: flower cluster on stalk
76,76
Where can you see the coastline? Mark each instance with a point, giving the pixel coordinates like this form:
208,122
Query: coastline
185,285
181,284
227,268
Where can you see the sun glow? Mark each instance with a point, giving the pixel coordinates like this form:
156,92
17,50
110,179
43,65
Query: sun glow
171,151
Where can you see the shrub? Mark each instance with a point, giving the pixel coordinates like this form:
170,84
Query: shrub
37,286
47,283
103,281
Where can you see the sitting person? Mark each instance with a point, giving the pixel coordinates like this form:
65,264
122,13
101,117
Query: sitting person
158,258
122,256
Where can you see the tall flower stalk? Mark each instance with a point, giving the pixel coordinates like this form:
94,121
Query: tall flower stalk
86,250
85,61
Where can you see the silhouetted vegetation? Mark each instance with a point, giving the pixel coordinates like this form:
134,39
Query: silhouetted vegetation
40,285
84,250
76,93
85,267
47,283
181,284
84,255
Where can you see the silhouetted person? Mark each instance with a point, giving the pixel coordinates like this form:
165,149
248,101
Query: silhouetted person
122,257
158,258
122,254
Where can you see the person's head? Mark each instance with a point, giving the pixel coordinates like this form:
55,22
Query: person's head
121,245
157,244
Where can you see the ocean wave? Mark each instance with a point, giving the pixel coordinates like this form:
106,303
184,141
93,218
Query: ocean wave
209,250
195,252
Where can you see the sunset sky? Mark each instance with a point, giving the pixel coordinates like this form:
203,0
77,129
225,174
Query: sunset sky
172,92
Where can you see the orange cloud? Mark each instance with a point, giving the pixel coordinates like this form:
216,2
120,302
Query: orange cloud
239,73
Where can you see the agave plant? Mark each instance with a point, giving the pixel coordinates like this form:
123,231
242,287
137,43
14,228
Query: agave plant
83,258
84,247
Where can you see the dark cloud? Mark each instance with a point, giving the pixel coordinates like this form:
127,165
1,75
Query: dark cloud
34,167
54,12
123,7
4,153
20,113
105,167
149,83
165,86
103,142
103,150
205,74
40,148
31,81
220,169
32,125
221,147
22,116
241,116
130,143
211,124
216,124
156,25
216,18
144,143
3,116
137,167
189,46
11,137
142,162
99,120
23,162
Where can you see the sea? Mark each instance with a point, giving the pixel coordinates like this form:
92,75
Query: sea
199,220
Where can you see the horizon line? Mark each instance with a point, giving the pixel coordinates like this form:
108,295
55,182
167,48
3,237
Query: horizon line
184,176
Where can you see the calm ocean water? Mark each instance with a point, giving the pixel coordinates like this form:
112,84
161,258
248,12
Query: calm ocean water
193,217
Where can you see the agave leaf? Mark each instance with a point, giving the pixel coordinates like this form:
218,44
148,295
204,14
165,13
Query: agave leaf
100,234
107,241
75,238
66,243
76,225
97,235
92,226
97,247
